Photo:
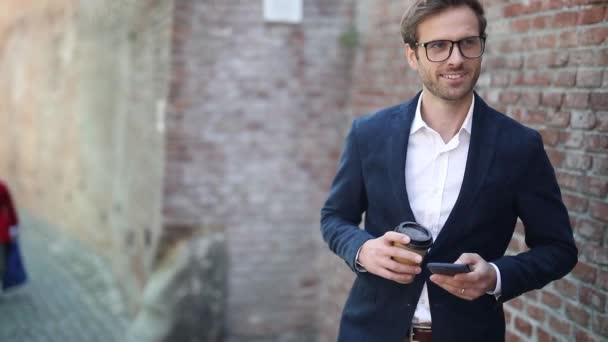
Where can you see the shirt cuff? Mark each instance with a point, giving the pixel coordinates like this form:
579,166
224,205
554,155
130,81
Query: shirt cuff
498,290
358,266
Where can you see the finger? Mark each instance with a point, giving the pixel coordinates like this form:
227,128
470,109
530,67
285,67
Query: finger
471,277
392,237
407,256
456,291
453,289
398,267
451,281
398,277
483,278
469,258
446,279
462,292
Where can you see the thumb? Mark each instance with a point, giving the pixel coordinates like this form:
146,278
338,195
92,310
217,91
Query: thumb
468,258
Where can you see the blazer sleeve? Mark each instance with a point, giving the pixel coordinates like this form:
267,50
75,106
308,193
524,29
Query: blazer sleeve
552,252
346,202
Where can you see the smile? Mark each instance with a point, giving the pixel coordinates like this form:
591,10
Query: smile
453,76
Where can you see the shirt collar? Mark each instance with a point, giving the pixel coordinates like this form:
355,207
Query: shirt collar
418,123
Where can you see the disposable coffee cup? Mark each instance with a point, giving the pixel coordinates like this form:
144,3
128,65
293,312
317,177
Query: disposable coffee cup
421,239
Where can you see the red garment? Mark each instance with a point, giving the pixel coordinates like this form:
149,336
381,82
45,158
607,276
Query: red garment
8,215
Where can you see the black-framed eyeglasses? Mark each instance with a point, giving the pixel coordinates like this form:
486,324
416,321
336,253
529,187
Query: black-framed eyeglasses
440,50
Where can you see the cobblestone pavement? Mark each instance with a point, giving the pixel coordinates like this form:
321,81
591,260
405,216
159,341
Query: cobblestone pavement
70,295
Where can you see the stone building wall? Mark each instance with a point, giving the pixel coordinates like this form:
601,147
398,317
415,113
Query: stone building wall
546,64
82,92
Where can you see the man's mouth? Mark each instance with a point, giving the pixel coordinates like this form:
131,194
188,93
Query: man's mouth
453,76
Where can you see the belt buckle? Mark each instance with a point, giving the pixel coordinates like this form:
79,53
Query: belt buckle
412,334
419,327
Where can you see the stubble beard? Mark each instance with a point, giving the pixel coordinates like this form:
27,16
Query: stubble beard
432,82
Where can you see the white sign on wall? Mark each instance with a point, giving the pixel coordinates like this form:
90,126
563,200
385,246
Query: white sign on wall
284,11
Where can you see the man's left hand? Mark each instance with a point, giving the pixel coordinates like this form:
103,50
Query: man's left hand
472,285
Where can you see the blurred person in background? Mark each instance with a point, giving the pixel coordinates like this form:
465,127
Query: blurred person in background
12,270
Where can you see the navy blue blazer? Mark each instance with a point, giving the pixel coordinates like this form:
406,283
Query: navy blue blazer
507,175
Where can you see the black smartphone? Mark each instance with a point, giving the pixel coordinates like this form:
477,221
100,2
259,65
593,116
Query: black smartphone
447,268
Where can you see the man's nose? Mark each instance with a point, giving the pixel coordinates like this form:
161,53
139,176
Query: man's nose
455,57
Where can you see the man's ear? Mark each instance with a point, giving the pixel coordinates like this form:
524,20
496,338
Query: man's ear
410,54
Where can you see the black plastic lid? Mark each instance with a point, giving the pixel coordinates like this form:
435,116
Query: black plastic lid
420,237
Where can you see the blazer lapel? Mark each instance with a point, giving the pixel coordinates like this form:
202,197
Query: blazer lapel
397,149
481,152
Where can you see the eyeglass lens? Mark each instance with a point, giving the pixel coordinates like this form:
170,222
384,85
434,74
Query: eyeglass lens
440,50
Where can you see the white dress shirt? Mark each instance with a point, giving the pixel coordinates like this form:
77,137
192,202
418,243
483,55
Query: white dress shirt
434,171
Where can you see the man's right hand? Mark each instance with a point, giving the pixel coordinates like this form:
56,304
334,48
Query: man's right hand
376,256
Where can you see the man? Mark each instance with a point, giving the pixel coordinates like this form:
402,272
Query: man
448,161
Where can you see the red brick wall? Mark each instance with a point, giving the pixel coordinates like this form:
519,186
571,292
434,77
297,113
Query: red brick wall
546,65
254,126
551,73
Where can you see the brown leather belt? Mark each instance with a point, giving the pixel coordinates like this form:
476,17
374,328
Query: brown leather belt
421,335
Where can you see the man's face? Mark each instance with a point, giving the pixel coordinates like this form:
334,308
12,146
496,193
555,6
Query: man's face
454,78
